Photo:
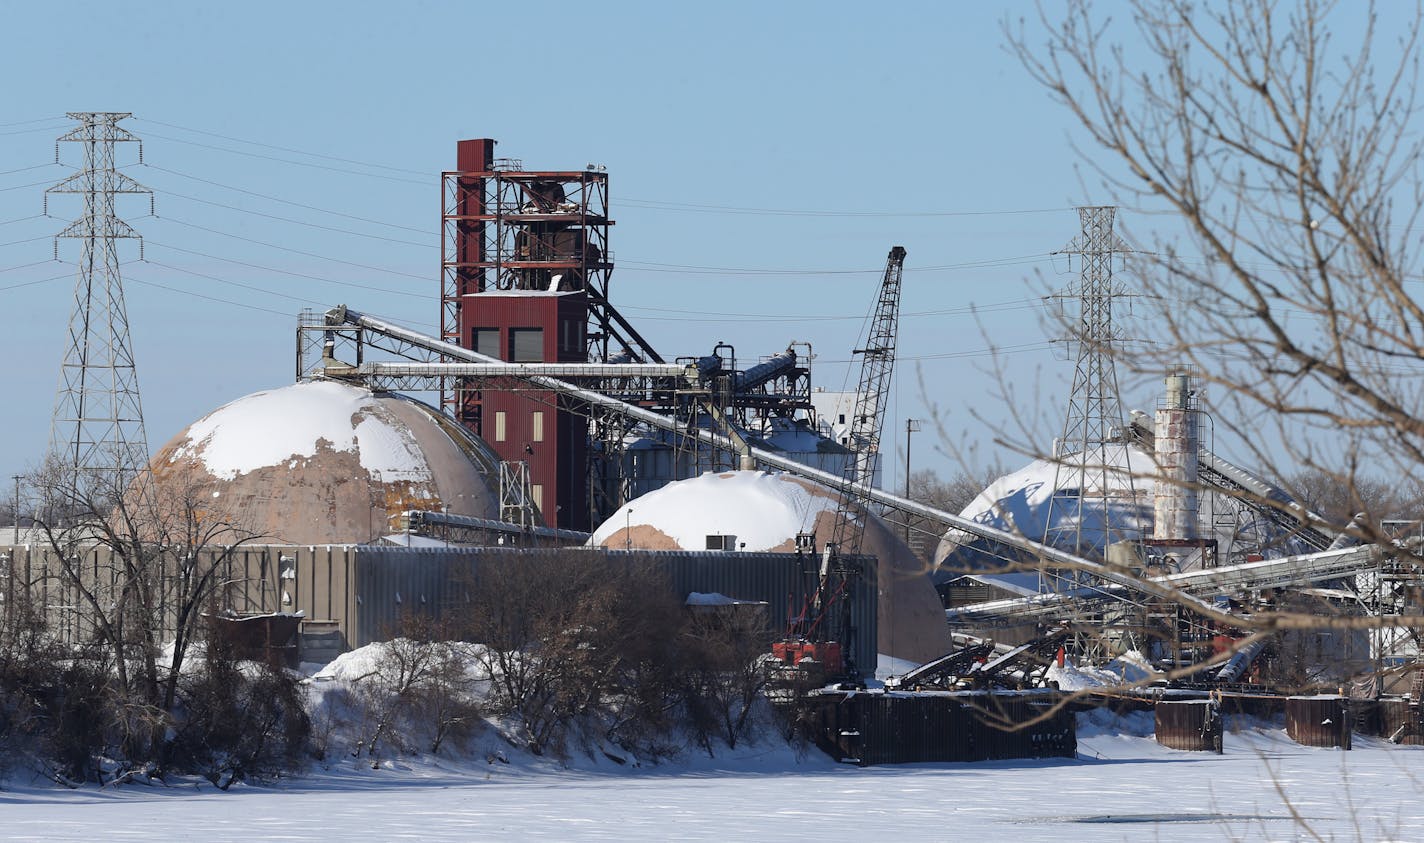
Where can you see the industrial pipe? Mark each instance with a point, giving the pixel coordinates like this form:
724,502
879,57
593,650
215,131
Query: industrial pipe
502,369
1056,557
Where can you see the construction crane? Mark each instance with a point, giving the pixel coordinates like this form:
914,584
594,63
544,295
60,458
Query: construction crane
876,364
824,637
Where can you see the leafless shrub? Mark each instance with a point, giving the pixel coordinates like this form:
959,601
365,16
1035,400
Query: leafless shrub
238,720
421,691
576,648
726,649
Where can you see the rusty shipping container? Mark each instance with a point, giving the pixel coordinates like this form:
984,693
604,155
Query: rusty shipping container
1319,721
1194,725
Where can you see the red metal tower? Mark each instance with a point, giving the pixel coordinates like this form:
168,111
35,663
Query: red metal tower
524,277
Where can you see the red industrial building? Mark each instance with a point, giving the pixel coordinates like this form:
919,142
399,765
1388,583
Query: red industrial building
524,278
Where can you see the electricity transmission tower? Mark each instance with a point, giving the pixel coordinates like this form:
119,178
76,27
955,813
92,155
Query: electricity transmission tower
97,440
1094,416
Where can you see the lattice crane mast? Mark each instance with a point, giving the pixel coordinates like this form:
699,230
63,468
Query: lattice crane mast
876,365
827,629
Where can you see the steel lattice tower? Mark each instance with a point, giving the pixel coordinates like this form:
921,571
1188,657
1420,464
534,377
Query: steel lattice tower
1094,412
97,438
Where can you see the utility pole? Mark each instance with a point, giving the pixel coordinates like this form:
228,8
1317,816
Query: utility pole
911,426
16,478
97,440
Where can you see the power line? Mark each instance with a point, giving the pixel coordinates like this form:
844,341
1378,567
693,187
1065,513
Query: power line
297,222
230,282
29,240
950,355
689,207
31,131
657,204
285,201
31,167
425,183
25,265
36,120
650,203
699,315
23,186
692,269
287,148
22,219
208,297
38,281
343,283
297,251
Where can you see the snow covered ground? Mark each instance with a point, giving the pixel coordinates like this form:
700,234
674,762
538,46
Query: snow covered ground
1122,787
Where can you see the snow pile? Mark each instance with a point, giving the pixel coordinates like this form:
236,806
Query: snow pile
404,704
1131,668
763,511
291,423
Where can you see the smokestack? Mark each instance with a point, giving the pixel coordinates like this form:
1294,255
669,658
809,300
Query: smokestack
1175,492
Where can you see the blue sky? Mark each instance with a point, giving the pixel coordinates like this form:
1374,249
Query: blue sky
792,143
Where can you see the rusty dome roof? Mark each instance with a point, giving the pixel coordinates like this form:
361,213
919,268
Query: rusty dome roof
326,462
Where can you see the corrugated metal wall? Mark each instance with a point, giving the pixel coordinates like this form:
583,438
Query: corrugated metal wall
392,580
365,589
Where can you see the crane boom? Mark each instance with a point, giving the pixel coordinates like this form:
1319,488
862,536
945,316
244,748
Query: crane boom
868,418
863,439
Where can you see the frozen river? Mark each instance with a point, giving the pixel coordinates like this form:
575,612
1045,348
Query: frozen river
1120,788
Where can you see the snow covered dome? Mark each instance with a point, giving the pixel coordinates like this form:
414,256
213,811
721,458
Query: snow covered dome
1019,503
324,462
764,512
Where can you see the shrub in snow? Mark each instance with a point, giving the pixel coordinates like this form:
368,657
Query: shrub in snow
420,692
237,720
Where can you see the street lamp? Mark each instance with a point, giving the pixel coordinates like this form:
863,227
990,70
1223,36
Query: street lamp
911,426
628,528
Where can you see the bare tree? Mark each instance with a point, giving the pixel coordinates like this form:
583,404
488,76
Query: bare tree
1292,163
726,650
421,684
1285,169
576,645
143,558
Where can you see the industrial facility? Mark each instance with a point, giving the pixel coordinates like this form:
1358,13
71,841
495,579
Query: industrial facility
539,420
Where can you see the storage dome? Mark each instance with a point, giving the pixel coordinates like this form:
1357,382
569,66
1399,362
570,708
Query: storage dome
326,462
765,512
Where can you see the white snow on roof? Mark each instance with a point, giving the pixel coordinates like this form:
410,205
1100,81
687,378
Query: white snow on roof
1018,502
269,427
1033,483
413,540
713,598
762,510
786,435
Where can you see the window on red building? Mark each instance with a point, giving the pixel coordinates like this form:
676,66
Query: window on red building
526,345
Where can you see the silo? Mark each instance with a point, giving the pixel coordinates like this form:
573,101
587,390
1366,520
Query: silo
1175,490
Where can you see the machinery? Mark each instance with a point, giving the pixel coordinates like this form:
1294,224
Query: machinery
825,630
